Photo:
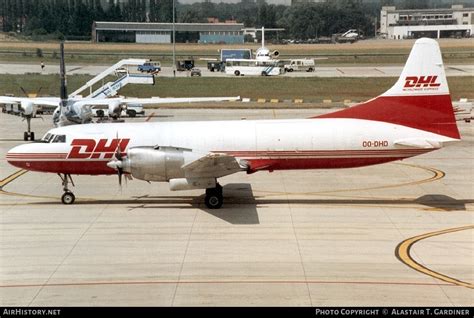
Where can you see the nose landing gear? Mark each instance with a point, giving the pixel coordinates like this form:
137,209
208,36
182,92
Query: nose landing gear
68,197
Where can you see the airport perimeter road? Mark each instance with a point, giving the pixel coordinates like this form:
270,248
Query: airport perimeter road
399,234
321,71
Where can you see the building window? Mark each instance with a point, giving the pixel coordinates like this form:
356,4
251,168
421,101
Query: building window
465,14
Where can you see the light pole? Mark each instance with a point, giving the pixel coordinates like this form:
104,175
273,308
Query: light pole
174,41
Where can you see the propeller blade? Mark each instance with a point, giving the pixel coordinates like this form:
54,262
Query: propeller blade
24,91
120,173
118,153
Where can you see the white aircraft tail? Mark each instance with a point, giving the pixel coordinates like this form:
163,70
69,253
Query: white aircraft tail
419,99
423,73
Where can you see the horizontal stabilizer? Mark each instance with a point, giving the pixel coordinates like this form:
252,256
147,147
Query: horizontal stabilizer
419,143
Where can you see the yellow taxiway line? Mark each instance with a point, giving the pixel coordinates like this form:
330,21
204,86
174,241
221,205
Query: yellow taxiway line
403,254
12,177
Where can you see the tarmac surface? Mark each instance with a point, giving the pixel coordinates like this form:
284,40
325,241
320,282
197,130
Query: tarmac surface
398,234
320,71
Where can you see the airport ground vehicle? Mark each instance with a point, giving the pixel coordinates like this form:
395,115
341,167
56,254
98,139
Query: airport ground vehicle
149,67
184,65
196,72
242,67
225,54
132,110
307,65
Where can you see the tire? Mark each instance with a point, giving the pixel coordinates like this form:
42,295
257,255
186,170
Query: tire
264,73
290,70
237,73
131,113
100,113
310,69
25,136
32,136
68,198
214,200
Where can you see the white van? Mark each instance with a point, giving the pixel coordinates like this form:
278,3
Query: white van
307,65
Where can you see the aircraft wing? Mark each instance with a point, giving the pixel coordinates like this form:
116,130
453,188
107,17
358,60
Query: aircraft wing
213,165
50,101
153,100
174,100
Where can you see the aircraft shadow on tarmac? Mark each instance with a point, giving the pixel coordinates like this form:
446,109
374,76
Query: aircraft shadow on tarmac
240,206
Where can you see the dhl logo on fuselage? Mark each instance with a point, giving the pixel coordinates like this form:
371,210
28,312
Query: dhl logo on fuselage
103,148
415,82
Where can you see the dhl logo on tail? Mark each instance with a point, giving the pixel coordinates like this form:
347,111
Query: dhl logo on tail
417,82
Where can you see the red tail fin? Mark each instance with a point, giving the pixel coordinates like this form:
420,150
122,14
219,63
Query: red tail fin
420,99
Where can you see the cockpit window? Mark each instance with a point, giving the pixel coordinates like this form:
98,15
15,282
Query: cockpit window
47,137
59,138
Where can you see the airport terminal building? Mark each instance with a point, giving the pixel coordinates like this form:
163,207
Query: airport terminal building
145,32
453,22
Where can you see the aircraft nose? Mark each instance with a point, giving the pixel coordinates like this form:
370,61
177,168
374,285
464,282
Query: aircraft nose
17,155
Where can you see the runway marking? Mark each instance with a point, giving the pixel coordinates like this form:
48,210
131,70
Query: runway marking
12,177
380,71
403,254
320,282
457,69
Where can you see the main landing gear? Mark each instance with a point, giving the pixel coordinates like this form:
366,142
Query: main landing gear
68,197
214,198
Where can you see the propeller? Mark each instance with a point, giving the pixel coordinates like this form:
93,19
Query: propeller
116,163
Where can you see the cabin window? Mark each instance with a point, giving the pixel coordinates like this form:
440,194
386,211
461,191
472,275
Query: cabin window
59,138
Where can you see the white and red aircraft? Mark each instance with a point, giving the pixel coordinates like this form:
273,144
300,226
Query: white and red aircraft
413,117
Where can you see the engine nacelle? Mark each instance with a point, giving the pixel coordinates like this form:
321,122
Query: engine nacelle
157,164
189,184
276,53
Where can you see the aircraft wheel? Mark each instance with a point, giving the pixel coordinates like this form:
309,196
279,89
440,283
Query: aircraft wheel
237,73
214,197
32,136
214,200
68,198
25,136
264,73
